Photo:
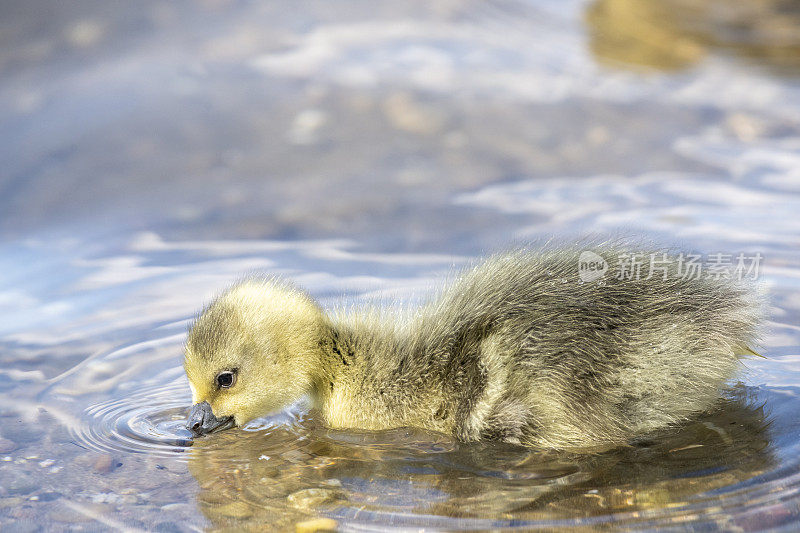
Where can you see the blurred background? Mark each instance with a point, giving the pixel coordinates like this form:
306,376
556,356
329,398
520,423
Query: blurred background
152,152
222,119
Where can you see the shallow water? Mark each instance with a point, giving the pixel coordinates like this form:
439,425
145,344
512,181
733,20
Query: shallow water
151,158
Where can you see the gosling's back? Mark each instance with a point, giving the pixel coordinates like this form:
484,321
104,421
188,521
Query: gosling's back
525,351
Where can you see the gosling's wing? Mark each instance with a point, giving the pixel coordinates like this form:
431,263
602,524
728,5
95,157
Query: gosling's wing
744,351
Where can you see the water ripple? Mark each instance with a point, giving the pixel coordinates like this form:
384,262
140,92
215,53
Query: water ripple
151,421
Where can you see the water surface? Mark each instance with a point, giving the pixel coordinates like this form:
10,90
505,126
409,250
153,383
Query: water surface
153,157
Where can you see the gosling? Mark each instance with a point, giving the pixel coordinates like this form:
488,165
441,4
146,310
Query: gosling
525,348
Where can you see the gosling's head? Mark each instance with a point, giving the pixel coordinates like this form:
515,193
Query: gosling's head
251,352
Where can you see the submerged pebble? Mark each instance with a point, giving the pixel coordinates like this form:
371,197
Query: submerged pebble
185,507
104,464
168,527
68,516
316,525
49,496
21,484
235,510
21,527
308,499
7,445
9,502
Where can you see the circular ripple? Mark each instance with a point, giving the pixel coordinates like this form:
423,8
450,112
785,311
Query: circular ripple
150,421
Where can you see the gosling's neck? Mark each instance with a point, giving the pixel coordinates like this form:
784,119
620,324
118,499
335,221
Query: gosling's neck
334,357
368,378
352,353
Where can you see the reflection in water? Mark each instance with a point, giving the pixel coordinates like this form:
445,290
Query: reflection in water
290,473
675,34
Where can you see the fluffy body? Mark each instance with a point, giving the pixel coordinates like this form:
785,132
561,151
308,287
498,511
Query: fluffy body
517,348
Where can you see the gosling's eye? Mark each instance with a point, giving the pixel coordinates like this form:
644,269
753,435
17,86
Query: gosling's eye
226,379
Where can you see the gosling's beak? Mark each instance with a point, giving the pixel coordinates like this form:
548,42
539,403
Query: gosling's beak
202,420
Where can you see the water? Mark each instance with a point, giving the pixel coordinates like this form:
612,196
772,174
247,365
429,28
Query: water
154,154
